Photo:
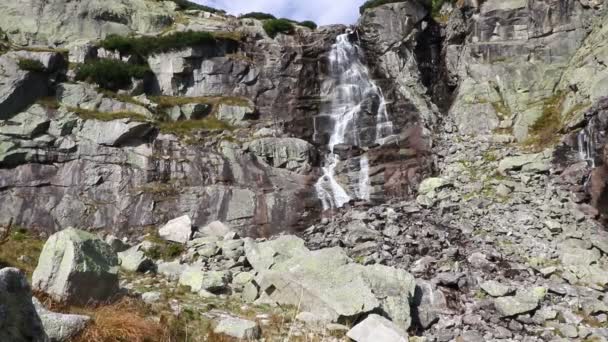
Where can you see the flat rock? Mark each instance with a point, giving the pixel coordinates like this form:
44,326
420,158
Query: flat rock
376,328
60,327
239,328
495,289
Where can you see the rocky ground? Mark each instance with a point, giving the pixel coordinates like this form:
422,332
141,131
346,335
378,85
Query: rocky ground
498,246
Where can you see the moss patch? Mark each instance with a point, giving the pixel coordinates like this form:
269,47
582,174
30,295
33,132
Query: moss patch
32,65
187,127
545,130
163,249
21,250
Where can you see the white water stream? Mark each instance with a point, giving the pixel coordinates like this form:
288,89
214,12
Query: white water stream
350,86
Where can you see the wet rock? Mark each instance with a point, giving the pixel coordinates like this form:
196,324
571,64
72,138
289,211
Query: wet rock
76,267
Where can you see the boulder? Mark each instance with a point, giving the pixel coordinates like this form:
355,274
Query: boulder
326,283
198,280
171,270
60,327
495,289
376,328
524,301
238,328
264,255
77,267
151,297
177,230
534,163
134,259
19,320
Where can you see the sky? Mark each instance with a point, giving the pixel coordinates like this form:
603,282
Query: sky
323,12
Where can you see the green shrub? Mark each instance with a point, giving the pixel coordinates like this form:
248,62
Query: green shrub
110,74
258,15
184,5
145,46
276,26
310,24
31,65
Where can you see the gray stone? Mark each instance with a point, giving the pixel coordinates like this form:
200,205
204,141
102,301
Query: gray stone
215,228
19,320
211,281
377,328
26,125
77,267
60,327
171,270
151,297
262,256
238,328
18,88
117,244
524,301
539,162
495,289
134,259
431,185
429,302
235,114
177,230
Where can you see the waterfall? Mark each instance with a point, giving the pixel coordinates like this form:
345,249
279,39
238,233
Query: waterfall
351,92
586,147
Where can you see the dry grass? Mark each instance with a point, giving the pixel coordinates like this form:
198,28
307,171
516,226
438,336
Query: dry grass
125,320
170,101
101,116
545,131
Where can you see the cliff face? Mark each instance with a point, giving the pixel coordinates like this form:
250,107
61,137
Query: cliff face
71,154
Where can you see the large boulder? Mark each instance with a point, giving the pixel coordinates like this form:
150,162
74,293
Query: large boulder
18,318
327,283
77,267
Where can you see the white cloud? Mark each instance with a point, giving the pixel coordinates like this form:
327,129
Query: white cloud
323,12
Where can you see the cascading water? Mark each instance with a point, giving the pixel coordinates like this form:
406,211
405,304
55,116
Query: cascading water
350,89
586,147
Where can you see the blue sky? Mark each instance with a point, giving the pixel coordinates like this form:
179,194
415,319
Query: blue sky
323,12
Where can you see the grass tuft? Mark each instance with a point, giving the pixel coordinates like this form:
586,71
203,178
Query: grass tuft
101,116
146,45
32,65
